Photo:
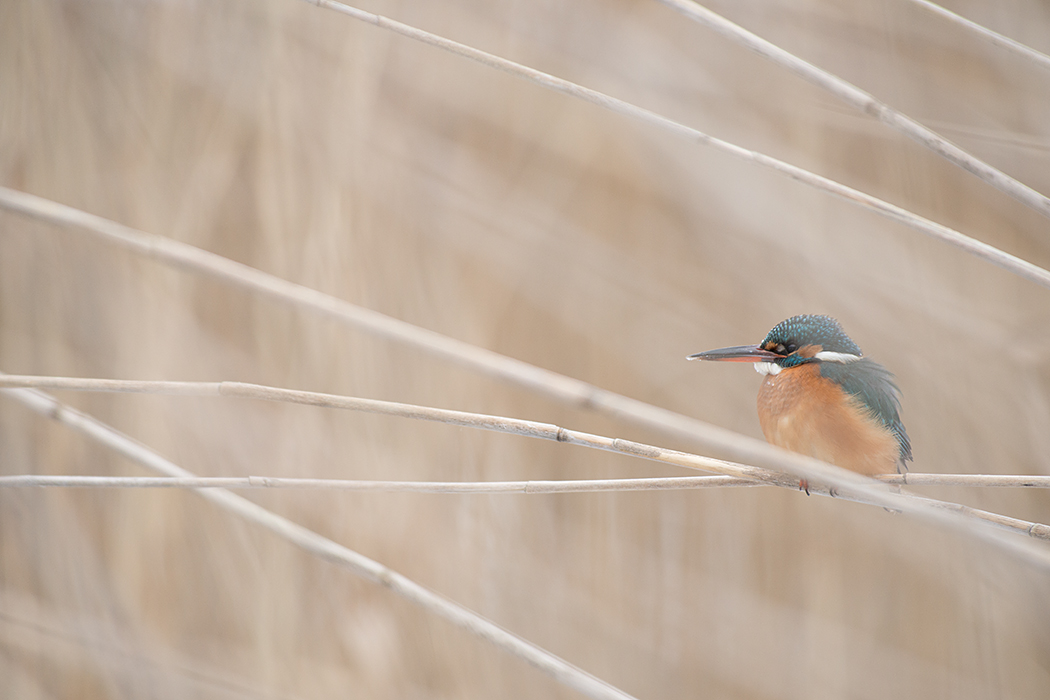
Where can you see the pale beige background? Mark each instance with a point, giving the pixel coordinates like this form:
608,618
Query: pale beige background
466,201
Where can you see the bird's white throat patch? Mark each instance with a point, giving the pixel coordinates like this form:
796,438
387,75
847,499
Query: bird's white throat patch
768,368
842,357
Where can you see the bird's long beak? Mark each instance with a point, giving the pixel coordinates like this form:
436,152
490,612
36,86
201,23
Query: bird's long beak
737,353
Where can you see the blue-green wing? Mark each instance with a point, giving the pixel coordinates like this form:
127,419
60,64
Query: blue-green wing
873,384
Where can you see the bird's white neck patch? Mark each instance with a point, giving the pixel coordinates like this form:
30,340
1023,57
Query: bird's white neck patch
843,357
770,369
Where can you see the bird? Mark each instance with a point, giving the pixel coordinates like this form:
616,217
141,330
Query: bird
823,398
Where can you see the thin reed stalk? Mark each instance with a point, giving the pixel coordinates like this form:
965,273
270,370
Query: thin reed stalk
864,102
987,34
871,492
531,486
534,486
320,546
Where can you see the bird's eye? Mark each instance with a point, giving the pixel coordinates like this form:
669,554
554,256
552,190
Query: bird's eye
791,347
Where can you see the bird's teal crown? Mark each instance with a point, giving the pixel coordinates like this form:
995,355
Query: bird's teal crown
790,335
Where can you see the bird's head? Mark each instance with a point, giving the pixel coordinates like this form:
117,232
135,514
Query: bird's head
792,342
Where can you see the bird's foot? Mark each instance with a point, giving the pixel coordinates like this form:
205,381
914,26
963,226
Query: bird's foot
803,485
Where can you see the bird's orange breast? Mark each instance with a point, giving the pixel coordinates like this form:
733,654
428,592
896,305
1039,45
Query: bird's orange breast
804,412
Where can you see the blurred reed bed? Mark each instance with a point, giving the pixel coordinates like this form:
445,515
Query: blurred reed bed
466,201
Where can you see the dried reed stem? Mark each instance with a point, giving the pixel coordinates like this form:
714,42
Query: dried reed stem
982,480
940,232
955,515
531,486
864,102
322,547
993,37
535,486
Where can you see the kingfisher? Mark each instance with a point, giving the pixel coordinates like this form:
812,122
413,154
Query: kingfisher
823,398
